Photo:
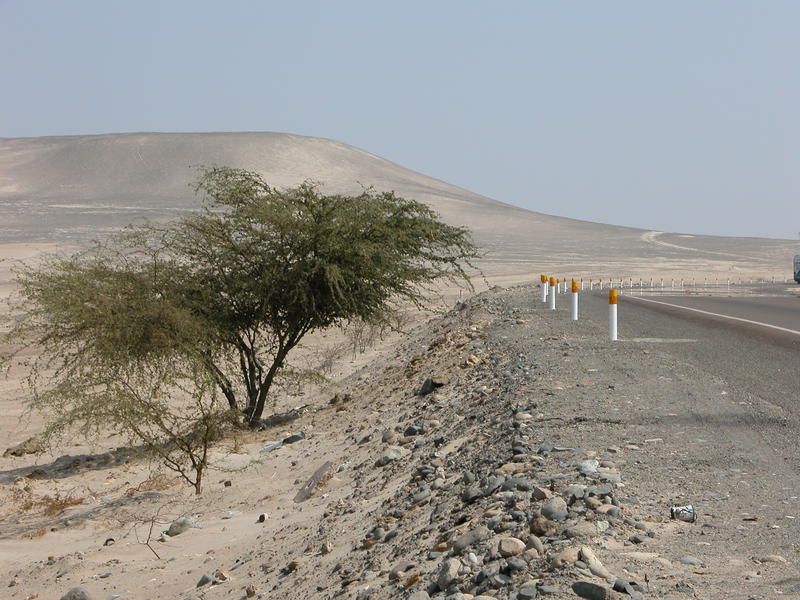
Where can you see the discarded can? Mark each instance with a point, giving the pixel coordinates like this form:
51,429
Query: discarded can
683,513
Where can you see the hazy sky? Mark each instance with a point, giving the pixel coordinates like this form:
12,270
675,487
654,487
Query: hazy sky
677,116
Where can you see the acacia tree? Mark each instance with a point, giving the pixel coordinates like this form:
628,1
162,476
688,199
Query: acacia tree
215,301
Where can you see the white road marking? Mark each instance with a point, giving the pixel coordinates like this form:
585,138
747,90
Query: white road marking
662,340
705,312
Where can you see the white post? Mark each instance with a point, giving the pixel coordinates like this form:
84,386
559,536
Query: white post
574,307
544,286
591,285
612,315
552,296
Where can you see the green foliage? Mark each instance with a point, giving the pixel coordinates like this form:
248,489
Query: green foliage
214,302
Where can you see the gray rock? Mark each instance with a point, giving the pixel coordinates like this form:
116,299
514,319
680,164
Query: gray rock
419,595
495,522
629,588
488,571
691,560
473,536
295,437
391,454
76,593
181,525
528,591
638,539
548,590
581,530
535,543
421,495
270,447
204,579
517,483
574,492
430,384
492,485
448,573
591,591
413,430
554,509
601,491
470,494
500,580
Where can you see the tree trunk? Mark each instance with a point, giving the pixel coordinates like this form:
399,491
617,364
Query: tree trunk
258,409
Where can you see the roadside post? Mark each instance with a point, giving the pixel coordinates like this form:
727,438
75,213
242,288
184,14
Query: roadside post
612,315
552,296
574,311
544,287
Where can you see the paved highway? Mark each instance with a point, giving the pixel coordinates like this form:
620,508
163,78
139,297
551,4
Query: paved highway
763,361
779,313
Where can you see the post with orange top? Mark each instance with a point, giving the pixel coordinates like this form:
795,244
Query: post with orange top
544,287
612,315
552,296
574,308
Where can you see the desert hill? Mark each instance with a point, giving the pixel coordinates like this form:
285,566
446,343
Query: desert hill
73,188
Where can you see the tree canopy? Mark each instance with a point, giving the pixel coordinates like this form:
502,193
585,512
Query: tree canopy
210,305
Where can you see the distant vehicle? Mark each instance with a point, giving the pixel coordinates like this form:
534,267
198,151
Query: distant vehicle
797,268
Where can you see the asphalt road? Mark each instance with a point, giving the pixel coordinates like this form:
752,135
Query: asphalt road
759,360
778,313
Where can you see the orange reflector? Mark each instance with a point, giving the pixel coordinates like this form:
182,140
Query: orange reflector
612,296
552,282
574,287
543,278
